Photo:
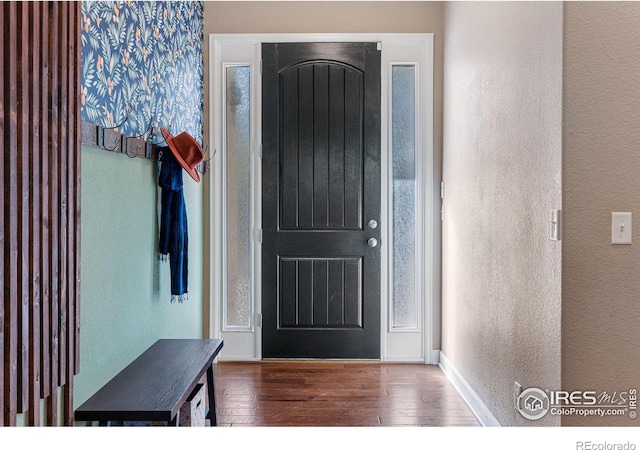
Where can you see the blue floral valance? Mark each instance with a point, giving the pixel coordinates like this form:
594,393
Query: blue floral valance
145,58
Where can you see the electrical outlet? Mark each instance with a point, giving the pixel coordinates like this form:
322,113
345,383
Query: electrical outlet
517,390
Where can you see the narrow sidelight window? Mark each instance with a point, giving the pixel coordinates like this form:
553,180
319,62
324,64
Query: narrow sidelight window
237,301
404,205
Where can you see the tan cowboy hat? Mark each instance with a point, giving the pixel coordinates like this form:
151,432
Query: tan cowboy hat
186,150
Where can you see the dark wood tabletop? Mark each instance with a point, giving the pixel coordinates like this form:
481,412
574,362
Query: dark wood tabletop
155,385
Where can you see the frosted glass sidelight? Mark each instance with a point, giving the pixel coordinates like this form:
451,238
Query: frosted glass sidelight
238,197
403,173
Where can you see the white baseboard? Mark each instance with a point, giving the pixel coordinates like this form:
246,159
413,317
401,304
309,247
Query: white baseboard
403,360
482,413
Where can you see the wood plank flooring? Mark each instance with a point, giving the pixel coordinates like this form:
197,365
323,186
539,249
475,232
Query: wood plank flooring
332,394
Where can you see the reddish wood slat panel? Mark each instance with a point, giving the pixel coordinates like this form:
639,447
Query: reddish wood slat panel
2,240
11,220
45,381
67,393
24,197
52,408
77,192
63,54
71,149
34,231
40,216
54,215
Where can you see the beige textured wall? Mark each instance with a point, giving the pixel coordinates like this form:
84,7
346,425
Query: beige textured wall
502,156
601,174
337,17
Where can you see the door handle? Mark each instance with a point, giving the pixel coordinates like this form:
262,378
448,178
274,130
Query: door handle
372,242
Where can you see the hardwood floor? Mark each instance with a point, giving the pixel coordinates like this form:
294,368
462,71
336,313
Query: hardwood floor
332,394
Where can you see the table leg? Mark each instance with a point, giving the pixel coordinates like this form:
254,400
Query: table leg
212,397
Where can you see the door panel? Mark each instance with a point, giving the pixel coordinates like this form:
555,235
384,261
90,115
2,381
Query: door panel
321,182
320,293
320,102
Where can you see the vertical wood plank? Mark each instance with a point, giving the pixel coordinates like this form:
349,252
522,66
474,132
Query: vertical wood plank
67,394
54,123
305,292
288,293
320,146
305,146
52,408
289,153
77,192
2,240
320,292
24,194
336,292
45,336
73,98
353,149
353,293
336,147
63,55
34,257
11,217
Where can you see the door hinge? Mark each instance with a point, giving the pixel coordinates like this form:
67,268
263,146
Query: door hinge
260,235
260,151
442,189
260,66
556,224
259,319
379,46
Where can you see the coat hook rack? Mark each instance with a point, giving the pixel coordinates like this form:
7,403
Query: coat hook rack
107,138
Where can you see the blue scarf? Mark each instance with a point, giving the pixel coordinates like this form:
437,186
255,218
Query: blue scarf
173,224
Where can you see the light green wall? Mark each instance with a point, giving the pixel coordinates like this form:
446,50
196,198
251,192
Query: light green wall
125,303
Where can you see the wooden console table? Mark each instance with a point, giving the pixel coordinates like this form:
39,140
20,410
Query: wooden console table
155,385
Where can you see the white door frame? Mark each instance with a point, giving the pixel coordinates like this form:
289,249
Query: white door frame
246,344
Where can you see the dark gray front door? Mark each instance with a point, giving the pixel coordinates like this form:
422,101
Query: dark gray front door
320,189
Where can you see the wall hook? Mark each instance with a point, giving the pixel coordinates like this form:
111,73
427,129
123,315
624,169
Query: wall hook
203,167
118,139
137,143
155,132
141,136
137,146
215,150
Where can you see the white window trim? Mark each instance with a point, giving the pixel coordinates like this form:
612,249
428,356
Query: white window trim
249,342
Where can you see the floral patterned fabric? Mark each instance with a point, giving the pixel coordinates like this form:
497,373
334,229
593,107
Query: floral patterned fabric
143,60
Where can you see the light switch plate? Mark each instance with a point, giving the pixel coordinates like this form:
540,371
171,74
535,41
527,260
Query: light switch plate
621,228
